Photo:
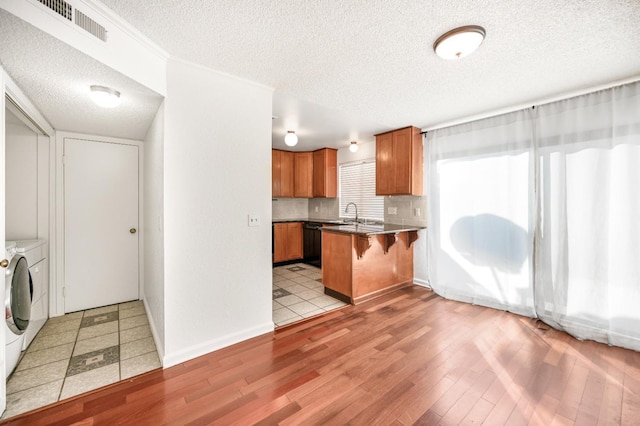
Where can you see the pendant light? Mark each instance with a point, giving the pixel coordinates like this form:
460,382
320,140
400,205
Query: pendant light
105,97
353,146
459,42
290,138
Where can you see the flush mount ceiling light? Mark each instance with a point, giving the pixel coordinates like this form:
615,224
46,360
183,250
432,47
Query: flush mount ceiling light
105,96
459,42
353,147
290,138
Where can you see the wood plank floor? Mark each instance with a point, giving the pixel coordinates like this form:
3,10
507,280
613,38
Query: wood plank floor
409,357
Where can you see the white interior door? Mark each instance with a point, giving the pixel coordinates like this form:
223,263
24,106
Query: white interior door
101,222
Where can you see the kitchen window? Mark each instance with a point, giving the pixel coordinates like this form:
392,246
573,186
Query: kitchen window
357,182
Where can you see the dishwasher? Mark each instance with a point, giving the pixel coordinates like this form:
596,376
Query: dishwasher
312,243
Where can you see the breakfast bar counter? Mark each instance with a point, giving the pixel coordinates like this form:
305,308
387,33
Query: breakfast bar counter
360,262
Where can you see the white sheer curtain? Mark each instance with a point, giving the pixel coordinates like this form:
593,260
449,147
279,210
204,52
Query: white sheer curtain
481,205
567,173
588,246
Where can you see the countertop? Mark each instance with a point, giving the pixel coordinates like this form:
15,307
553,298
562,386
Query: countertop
362,229
331,221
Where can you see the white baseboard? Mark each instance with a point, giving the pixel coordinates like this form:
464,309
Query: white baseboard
422,283
195,351
154,331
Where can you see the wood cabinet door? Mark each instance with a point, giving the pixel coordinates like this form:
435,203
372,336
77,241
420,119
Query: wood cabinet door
294,240
275,173
325,173
286,174
303,180
402,150
280,237
385,174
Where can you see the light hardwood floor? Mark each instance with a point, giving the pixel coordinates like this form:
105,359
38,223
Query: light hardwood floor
409,357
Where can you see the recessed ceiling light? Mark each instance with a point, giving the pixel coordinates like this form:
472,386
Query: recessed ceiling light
106,97
290,138
459,42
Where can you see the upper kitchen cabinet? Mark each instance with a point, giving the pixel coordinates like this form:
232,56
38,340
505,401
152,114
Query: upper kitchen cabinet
325,173
303,172
399,162
282,173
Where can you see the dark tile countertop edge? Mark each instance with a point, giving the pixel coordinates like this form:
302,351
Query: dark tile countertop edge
371,229
331,221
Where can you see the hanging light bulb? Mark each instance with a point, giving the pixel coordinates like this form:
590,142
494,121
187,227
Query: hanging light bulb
290,138
353,147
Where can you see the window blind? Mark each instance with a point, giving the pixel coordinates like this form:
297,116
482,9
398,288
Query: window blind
358,185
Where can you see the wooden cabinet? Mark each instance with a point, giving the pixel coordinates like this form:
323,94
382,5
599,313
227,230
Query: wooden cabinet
287,241
399,162
303,174
282,173
325,173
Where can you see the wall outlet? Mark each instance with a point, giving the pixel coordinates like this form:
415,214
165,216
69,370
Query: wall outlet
316,209
416,211
392,210
254,219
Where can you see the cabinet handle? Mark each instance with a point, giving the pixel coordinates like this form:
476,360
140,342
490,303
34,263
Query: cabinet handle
4,263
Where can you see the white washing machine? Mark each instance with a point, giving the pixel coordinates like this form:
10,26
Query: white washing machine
18,288
35,251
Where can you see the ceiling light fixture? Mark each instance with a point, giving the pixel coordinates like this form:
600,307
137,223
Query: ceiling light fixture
106,97
353,147
459,42
290,138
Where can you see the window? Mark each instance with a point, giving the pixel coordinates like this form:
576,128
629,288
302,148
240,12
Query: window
358,185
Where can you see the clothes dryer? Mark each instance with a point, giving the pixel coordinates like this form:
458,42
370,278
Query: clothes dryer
18,291
35,253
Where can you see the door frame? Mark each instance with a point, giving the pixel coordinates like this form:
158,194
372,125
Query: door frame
57,288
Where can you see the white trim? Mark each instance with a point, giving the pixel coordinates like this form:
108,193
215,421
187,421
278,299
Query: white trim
3,334
17,95
538,102
154,331
56,291
422,283
195,351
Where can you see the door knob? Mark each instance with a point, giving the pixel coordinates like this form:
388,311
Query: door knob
4,263
132,230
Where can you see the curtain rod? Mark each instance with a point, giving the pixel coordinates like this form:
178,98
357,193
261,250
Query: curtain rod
543,101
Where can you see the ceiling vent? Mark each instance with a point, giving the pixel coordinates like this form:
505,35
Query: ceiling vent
60,7
91,26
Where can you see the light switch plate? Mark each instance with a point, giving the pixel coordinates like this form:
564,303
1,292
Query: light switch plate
254,219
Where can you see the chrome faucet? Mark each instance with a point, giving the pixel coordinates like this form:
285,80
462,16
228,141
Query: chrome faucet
355,206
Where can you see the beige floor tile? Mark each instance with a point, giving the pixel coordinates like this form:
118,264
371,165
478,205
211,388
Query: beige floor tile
139,364
30,399
96,343
98,330
136,348
295,288
314,285
131,322
309,294
275,305
132,312
66,317
336,305
301,279
52,340
33,359
303,308
100,311
136,333
90,380
313,313
32,377
129,305
60,327
283,314
324,301
289,321
289,300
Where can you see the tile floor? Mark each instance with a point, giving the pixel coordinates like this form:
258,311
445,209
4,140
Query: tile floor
298,293
79,352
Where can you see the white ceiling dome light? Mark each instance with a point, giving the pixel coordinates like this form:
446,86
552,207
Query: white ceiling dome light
290,138
459,42
106,97
353,146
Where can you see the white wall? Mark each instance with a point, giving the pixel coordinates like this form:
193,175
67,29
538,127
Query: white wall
21,162
217,170
153,252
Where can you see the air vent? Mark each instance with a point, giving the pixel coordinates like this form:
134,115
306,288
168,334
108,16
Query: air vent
91,26
60,7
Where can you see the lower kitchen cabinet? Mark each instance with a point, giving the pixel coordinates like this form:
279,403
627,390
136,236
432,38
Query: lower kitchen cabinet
287,241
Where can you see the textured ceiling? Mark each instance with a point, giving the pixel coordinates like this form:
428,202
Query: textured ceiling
56,78
346,70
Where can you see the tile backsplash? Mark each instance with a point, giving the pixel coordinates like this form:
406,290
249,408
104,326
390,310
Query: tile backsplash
409,210
289,208
324,208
